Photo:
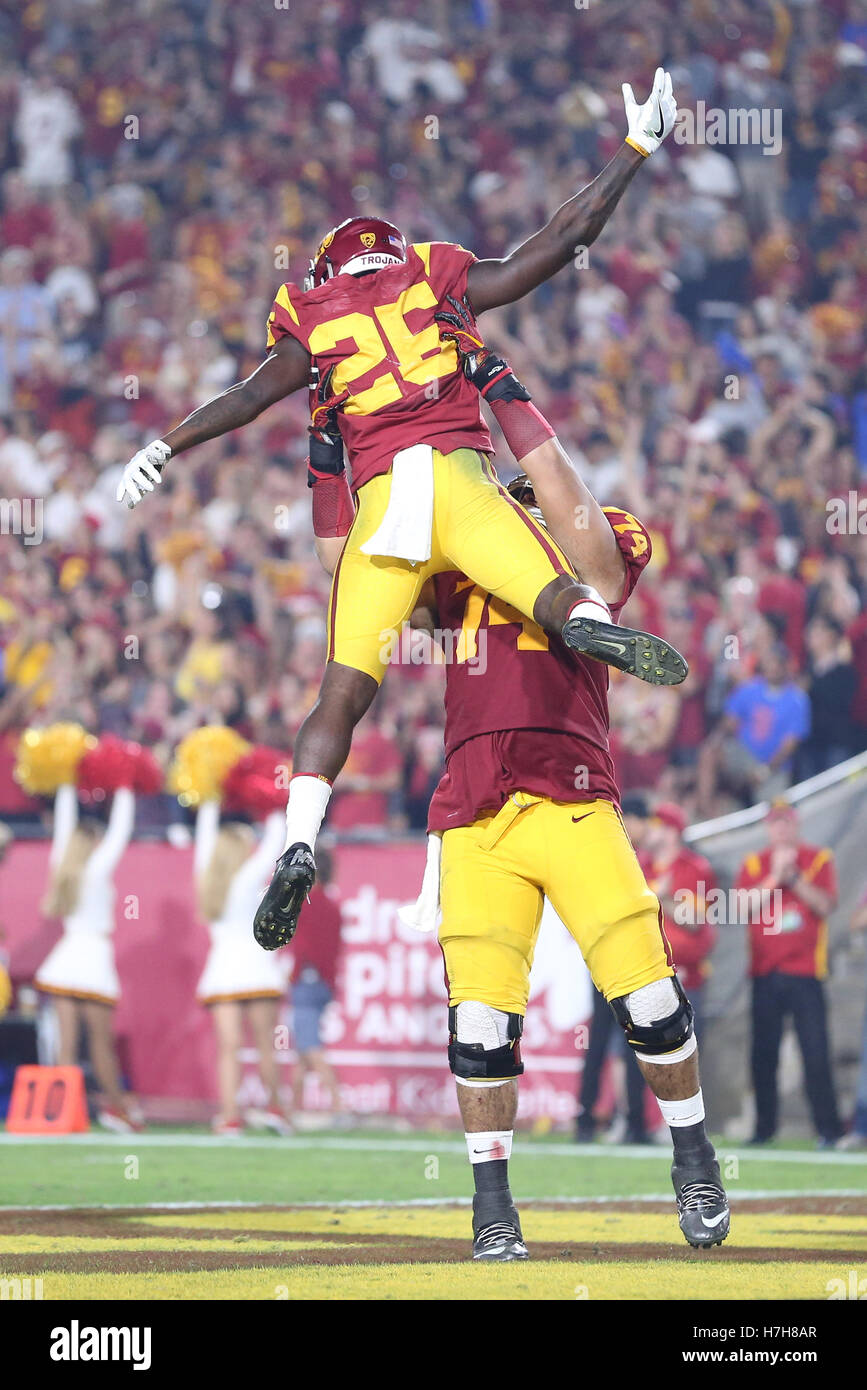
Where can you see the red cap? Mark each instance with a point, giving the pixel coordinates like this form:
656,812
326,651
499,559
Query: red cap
781,809
669,813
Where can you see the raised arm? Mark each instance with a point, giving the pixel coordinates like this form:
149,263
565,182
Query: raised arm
261,861
207,826
580,220
65,821
121,820
285,369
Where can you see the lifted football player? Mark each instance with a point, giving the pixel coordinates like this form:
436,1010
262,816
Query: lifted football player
427,499
507,828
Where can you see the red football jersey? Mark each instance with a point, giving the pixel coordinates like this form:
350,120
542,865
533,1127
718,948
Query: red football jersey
793,939
378,332
522,711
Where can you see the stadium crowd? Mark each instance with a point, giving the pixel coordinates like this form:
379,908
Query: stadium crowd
165,167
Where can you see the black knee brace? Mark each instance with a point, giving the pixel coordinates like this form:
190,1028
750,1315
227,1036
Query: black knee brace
473,1062
665,1035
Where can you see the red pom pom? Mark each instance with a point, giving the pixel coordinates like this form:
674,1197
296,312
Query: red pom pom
114,763
106,767
148,774
257,784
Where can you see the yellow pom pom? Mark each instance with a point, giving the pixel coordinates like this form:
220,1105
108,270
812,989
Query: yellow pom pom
49,757
202,760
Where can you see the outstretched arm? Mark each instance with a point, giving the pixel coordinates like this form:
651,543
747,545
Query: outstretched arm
285,369
121,821
65,821
579,221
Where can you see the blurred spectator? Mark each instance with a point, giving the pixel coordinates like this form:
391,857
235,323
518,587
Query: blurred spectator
681,879
831,691
765,720
314,978
788,964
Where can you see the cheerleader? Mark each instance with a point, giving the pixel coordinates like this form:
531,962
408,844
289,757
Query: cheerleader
241,983
80,971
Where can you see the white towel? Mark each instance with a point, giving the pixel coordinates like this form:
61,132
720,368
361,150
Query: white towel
405,531
424,914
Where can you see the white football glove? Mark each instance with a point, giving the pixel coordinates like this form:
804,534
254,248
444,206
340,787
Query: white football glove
649,124
143,472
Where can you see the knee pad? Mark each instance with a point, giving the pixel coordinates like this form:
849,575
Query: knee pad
657,1021
484,1043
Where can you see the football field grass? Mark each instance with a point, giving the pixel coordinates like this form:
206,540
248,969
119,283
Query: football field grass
170,1215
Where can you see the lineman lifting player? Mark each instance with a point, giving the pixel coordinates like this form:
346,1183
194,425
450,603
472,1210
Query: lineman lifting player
427,498
510,829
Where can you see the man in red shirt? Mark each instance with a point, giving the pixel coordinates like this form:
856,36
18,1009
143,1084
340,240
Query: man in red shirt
681,879
797,888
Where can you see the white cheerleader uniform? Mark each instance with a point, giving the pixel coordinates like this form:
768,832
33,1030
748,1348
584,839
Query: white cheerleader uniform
237,967
82,963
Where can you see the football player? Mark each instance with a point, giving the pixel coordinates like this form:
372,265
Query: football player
528,808
427,499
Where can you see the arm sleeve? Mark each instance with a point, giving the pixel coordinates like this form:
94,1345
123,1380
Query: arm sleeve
635,547
107,855
823,873
207,826
283,319
332,506
65,821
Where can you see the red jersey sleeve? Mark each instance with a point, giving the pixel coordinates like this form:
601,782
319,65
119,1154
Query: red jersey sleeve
446,265
817,866
635,547
283,318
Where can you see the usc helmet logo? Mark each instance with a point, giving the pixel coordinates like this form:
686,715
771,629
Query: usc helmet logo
368,239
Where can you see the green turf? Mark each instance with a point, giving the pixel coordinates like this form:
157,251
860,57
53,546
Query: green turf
172,1167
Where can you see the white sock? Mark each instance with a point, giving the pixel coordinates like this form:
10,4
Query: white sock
308,799
491,1144
592,605
680,1113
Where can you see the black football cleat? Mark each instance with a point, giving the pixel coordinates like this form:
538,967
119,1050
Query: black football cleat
640,654
497,1229
277,914
500,1242
702,1205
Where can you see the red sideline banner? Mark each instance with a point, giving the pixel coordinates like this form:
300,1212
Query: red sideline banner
386,1031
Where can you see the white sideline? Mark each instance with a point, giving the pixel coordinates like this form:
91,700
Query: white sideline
362,1203
401,1144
